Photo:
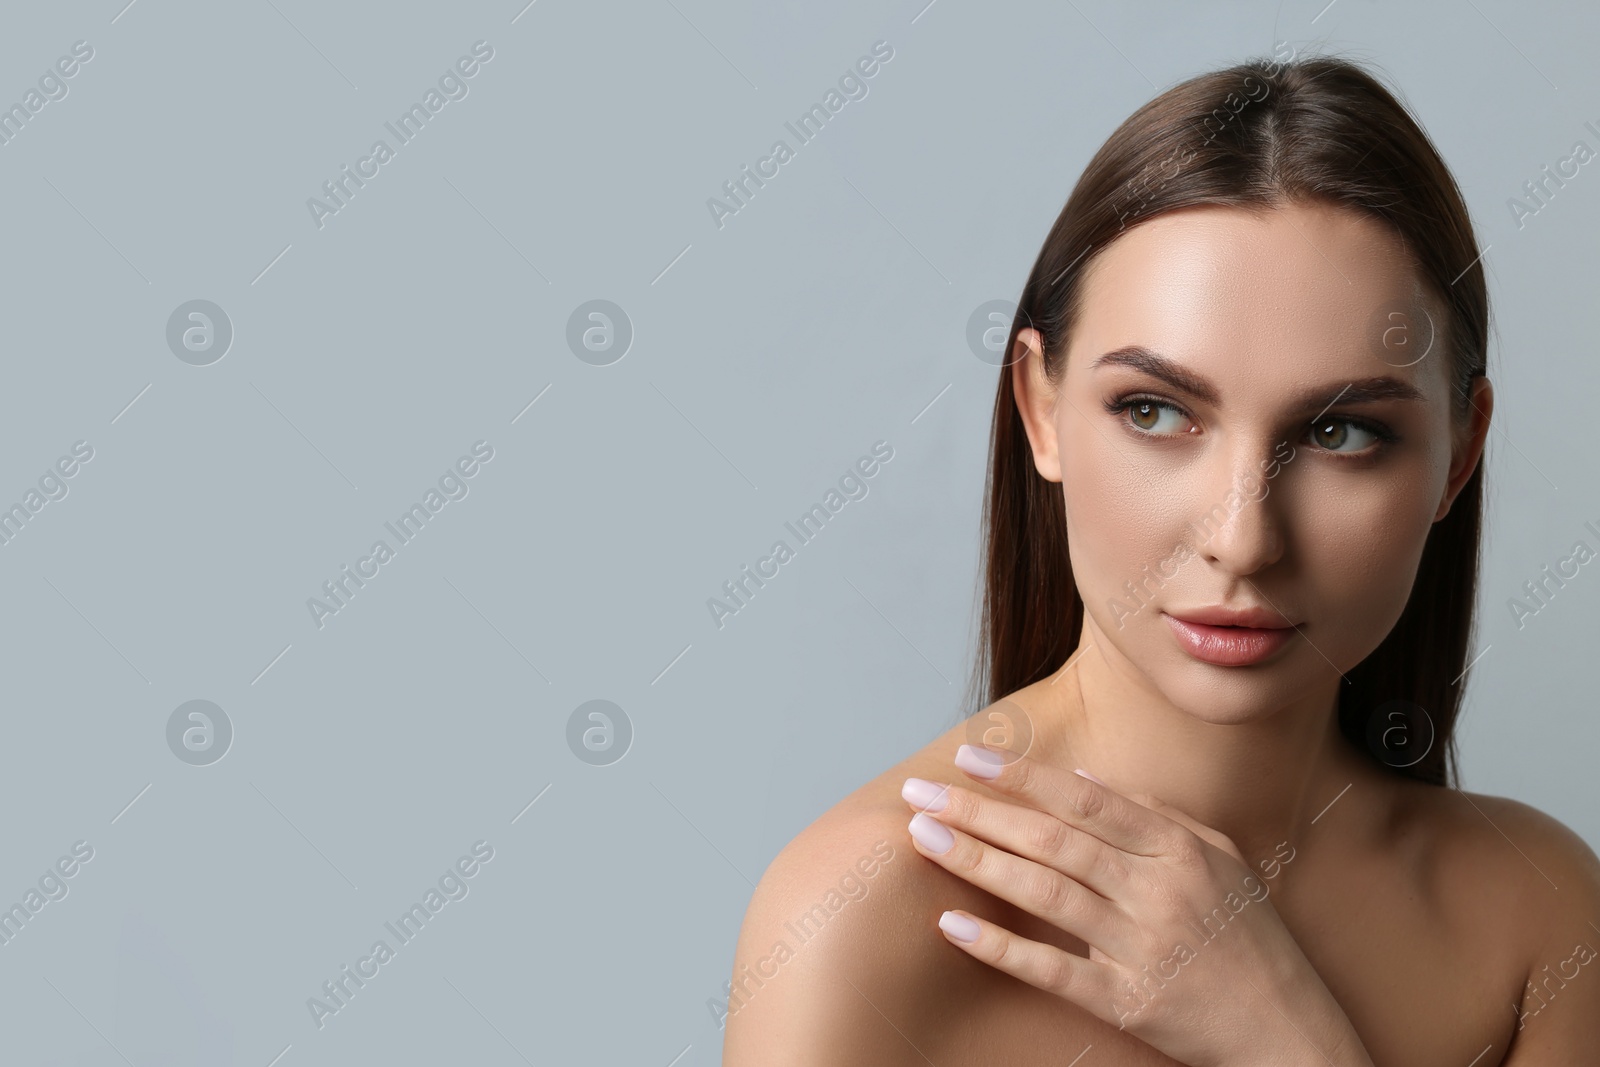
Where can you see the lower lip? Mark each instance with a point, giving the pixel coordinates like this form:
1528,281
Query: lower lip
1228,646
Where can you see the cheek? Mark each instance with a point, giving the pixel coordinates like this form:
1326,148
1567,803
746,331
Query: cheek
1359,543
1125,518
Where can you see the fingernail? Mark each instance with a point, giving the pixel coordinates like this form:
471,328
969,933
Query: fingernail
931,834
1086,774
959,927
979,762
921,793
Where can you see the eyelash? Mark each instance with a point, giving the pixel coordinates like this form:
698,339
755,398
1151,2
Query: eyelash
1384,434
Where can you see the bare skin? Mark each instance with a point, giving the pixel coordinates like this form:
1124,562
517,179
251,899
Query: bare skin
1425,911
1424,921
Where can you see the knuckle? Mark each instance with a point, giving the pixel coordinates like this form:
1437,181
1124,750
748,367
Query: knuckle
966,857
1048,837
1091,803
1110,867
960,805
1007,954
1051,894
1187,851
1020,775
1054,972
1125,996
985,864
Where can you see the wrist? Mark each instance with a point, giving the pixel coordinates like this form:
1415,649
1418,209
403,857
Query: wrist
1313,1029
1348,1052
1343,1051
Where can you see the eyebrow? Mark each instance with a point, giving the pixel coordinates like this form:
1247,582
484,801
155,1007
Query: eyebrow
1140,358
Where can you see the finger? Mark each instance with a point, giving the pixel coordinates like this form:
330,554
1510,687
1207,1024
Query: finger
1026,832
1083,982
1074,799
1199,829
1036,889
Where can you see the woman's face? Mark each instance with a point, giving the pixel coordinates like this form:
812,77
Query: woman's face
1284,444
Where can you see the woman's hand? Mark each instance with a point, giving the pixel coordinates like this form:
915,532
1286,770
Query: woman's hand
1186,952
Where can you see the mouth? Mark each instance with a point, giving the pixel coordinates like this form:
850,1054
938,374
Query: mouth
1229,646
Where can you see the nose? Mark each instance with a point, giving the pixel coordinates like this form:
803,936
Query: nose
1240,531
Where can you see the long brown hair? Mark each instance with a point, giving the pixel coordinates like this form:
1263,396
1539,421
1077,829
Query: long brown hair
1256,135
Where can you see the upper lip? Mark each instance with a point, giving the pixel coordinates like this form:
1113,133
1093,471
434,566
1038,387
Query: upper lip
1252,617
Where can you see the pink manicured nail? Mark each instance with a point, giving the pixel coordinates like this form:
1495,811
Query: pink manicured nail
1086,774
921,793
959,927
979,762
931,834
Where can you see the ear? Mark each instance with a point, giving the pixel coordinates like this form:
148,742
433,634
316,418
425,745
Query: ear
1469,452
1036,402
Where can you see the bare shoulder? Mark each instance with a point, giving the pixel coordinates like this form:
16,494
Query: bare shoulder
1552,880
1512,853
840,960
1528,887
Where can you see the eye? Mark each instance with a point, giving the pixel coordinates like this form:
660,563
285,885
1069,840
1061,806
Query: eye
1347,436
1147,415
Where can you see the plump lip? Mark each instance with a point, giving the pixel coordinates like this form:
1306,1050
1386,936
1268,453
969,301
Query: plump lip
1255,618
1228,646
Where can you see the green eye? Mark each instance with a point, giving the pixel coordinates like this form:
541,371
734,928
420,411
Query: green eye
1334,435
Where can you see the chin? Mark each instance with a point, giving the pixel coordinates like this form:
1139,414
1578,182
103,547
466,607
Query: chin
1233,700
1233,695
1236,695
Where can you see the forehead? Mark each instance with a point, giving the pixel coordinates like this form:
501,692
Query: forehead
1298,293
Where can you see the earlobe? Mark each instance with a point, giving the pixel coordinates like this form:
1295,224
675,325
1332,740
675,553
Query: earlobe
1035,399
1471,450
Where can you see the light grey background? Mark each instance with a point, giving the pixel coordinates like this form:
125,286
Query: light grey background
769,354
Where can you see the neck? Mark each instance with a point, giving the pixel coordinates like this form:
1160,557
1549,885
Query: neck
1261,781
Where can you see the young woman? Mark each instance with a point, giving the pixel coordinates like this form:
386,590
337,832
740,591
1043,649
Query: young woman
1232,527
